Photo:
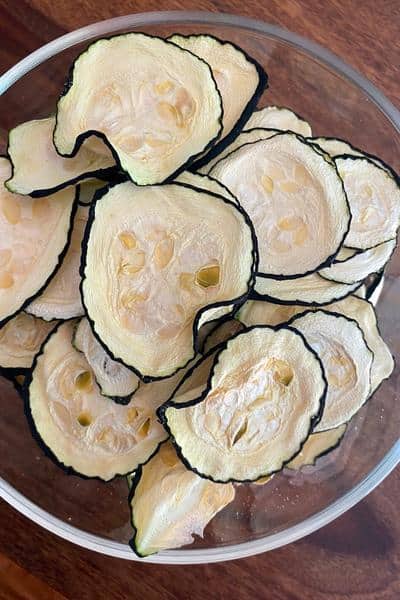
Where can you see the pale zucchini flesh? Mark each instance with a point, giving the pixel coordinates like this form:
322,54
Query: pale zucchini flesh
21,339
274,386
114,380
157,260
317,445
279,117
346,358
38,170
295,199
61,299
34,236
83,430
240,80
169,504
156,105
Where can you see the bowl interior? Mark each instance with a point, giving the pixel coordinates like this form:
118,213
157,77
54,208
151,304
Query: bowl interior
263,515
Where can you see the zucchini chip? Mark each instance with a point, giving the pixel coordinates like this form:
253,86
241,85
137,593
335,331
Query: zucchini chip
363,312
245,137
37,168
278,117
207,183
346,358
158,263
34,236
240,81
311,290
360,265
156,105
21,339
318,445
114,380
295,199
61,299
336,147
169,504
374,198
265,393
82,429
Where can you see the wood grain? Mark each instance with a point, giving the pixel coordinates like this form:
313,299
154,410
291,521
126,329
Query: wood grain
358,556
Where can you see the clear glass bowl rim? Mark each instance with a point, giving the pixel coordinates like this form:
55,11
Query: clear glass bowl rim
390,460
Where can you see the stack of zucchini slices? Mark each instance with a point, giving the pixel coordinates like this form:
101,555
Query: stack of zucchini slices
185,281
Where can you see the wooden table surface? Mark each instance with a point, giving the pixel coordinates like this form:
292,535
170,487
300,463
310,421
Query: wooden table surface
356,557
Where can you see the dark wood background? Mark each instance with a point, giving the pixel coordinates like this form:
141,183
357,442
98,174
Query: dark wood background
358,556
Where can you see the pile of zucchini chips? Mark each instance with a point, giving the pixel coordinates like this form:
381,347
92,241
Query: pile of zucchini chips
184,279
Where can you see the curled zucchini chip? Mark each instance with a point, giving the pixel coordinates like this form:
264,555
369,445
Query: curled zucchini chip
37,168
156,105
295,199
311,290
264,395
157,260
360,265
336,147
221,333
205,182
374,198
61,298
240,80
346,358
317,445
363,312
114,380
34,236
21,339
169,503
278,117
245,137
82,429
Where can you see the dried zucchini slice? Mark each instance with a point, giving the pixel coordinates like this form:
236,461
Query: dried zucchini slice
318,445
363,312
246,137
157,259
114,380
21,339
155,104
353,307
37,168
360,265
311,290
205,182
240,81
169,503
34,236
374,198
279,117
295,199
82,429
336,147
346,358
61,299
265,393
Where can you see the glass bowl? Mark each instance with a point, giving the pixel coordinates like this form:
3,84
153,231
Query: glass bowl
337,101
